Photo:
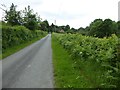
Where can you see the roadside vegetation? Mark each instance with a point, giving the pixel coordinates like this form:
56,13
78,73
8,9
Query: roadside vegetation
94,54
94,59
94,51
65,76
20,29
71,73
83,58
16,38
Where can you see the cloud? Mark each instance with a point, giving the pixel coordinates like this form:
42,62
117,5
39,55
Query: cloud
76,13
63,15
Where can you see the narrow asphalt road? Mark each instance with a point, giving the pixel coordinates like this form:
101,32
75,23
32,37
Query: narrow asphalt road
31,67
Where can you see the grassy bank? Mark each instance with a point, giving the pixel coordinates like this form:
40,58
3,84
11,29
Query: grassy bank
63,71
16,48
67,74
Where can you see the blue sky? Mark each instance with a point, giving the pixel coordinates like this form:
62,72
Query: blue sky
76,13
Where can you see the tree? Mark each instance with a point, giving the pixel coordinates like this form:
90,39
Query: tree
30,19
94,28
118,31
12,16
107,28
52,27
44,26
67,27
100,28
81,30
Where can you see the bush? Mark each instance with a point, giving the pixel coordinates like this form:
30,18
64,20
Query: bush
16,35
98,51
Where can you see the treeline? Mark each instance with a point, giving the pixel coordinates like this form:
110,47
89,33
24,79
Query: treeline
101,28
32,21
24,25
26,18
20,27
97,28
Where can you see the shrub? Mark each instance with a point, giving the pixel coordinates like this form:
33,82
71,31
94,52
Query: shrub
16,35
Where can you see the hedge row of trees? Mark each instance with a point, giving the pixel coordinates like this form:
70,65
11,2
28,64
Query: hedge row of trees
101,28
32,21
26,18
21,26
97,28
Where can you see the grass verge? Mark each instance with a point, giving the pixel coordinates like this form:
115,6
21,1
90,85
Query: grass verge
14,49
64,73
69,74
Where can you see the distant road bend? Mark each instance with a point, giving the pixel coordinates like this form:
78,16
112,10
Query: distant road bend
31,67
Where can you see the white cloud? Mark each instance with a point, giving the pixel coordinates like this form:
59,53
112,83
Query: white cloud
76,13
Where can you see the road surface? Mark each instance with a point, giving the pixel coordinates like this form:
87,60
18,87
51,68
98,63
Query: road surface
31,67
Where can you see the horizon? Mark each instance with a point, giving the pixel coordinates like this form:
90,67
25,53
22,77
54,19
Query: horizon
81,14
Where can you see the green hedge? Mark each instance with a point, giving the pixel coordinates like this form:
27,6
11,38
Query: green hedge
99,51
12,36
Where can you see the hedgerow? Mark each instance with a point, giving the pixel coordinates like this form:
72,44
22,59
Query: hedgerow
15,35
100,52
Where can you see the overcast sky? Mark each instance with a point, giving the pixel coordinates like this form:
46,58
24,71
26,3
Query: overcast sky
76,13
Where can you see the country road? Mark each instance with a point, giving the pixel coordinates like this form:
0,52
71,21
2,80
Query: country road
31,67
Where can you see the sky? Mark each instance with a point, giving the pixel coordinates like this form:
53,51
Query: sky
76,13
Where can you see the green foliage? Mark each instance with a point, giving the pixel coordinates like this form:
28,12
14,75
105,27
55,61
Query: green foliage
12,16
65,73
30,19
67,27
25,17
118,31
16,35
100,51
95,27
100,28
44,26
61,29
